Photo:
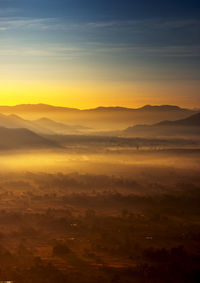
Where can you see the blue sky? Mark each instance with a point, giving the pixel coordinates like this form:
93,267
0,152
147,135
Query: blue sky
105,42
91,9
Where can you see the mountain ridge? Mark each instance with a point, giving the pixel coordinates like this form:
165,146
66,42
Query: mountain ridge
41,126
100,118
189,125
193,120
48,107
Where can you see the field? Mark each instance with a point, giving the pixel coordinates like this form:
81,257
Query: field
107,211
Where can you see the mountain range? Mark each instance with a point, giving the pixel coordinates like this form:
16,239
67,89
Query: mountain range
41,126
48,108
100,118
18,133
58,127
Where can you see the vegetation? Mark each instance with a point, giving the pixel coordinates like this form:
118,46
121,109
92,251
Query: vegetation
92,228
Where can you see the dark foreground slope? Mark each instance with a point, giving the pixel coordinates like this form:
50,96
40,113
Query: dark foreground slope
22,139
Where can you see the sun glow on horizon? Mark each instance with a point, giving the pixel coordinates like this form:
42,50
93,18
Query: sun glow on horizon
84,95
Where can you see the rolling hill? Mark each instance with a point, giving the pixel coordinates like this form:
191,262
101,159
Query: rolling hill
182,127
14,121
40,126
192,121
100,118
59,128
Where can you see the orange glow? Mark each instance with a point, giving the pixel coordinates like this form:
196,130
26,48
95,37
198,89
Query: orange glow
92,94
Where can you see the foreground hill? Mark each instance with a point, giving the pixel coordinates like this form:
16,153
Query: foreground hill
23,139
182,127
104,118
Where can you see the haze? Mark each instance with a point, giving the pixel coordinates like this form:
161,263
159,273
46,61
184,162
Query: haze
99,141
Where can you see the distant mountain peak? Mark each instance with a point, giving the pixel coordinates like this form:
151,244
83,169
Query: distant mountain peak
41,107
161,107
47,107
111,108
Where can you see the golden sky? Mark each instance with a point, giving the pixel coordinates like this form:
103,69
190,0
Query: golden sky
92,94
82,54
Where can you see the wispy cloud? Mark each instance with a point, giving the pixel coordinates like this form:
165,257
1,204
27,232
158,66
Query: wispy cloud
25,23
85,48
68,52
99,49
62,24
166,51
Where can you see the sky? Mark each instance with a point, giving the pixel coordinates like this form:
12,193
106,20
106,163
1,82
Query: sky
86,53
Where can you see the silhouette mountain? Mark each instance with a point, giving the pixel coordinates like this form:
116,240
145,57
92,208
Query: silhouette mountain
22,139
144,108
48,108
101,118
162,108
34,108
182,127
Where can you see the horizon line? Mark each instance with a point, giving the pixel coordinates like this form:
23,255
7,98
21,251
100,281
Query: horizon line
100,106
